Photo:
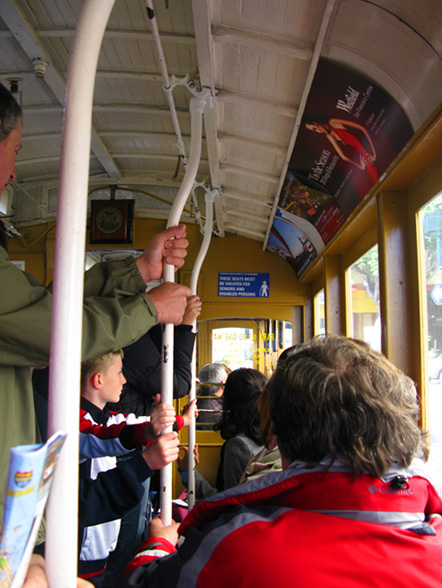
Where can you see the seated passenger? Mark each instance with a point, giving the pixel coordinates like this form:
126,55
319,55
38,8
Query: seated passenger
353,505
210,389
268,459
239,426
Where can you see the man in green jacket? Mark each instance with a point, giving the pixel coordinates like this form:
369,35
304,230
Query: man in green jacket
116,309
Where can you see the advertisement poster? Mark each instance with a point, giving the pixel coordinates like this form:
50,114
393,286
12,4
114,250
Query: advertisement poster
319,209
350,132
305,220
291,243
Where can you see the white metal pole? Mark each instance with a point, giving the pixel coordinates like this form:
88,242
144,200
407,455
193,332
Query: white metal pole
196,111
166,82
210,196
67,311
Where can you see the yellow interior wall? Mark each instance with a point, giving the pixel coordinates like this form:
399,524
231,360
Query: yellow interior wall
209,455
228,254
239,254
34,263
30,247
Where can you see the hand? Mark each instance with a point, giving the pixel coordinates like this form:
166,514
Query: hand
193,309
183,462
170,245
162,417
162,451
157,529
170,301
189,411
36,576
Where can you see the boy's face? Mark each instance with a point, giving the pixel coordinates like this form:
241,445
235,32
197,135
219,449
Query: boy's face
113,381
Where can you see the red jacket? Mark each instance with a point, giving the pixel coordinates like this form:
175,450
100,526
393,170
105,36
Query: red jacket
306,528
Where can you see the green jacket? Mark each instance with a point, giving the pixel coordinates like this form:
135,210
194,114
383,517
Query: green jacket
116,312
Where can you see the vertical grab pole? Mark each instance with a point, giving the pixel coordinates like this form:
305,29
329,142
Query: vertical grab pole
67,310
210,197
196,110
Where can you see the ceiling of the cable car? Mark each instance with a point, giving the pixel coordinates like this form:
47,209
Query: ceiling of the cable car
260,60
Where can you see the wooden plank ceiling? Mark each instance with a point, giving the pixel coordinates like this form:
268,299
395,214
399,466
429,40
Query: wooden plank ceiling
257,57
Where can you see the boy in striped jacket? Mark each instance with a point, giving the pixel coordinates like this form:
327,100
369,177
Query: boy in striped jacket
110,488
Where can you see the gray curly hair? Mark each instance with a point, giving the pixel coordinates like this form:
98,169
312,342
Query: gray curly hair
212,373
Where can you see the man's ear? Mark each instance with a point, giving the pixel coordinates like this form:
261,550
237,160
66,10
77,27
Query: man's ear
97,380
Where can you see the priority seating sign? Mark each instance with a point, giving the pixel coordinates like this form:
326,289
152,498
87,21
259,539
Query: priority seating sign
244,285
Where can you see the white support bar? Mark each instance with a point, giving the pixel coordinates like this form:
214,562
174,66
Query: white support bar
210,197
67,311
196,110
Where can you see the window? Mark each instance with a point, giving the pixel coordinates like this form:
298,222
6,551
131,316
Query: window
365,304
251,343
233,346
431,219
319,305
5,200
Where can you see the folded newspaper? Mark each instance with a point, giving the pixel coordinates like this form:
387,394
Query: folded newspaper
31,470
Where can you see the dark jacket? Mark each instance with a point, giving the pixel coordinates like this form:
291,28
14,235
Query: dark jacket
142,366
109,489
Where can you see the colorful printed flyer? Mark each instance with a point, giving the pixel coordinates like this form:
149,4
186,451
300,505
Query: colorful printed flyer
31,470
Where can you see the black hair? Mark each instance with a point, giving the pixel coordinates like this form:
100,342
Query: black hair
240,405
11,113
320,119
3,235
11,116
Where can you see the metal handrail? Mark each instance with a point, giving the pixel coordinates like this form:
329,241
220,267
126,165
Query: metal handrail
209,197
197,107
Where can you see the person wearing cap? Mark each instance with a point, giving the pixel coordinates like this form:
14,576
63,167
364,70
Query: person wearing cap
211,380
